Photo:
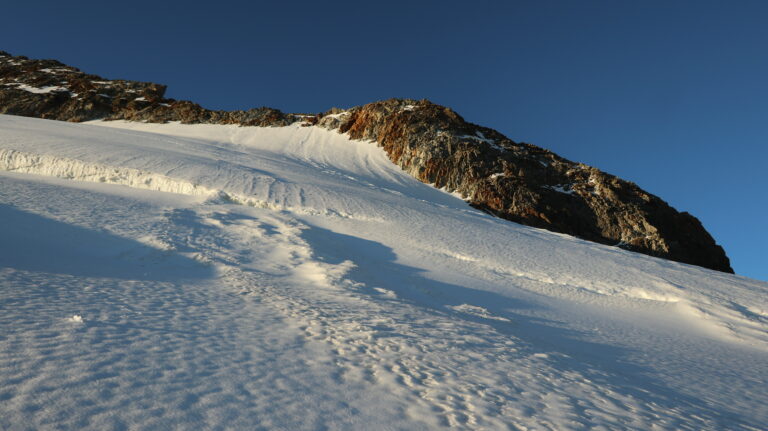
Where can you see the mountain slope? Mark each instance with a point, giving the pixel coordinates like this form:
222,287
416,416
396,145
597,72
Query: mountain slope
518,182
297,279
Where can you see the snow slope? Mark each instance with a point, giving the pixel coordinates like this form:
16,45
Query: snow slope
217,277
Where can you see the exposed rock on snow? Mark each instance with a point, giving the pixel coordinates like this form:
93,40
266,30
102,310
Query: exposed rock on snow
523,183
515,181
52,90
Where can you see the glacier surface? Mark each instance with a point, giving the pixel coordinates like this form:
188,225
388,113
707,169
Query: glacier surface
168,276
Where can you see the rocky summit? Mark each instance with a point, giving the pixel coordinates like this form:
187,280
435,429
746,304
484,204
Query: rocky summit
519,182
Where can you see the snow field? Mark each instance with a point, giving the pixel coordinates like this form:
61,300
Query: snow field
352,297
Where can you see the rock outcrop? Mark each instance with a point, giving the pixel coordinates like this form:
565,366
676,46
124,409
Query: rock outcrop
52,90
528,184
515,181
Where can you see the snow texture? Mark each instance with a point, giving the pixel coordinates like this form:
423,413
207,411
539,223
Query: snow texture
167,276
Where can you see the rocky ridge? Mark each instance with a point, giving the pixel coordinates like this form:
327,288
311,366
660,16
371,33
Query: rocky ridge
515,181
52,90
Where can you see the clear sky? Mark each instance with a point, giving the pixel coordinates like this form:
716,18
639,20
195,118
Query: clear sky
672,95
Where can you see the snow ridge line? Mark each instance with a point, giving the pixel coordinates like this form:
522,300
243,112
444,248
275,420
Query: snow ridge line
73,169
78,170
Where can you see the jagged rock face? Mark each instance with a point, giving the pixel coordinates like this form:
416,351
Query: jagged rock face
52,90
527,184
515,181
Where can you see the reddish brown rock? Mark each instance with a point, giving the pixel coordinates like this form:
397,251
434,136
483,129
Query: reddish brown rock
52,90
527,184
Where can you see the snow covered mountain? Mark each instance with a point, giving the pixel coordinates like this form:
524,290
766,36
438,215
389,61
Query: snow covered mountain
171,276
515,181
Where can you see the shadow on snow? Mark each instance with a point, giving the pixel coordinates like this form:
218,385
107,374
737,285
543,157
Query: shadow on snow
35,243
605,365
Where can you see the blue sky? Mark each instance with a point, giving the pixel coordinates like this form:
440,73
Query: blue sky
672,95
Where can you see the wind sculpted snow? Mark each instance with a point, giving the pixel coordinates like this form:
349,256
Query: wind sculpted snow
217,277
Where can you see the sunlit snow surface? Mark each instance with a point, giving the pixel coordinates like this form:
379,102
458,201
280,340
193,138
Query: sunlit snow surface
295,279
